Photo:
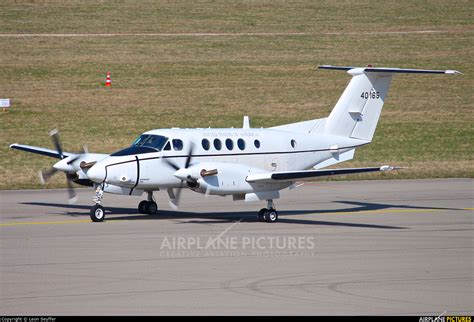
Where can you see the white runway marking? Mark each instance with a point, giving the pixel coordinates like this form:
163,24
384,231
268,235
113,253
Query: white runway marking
223,34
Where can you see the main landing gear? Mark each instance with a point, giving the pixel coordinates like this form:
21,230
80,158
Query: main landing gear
148,206
268,214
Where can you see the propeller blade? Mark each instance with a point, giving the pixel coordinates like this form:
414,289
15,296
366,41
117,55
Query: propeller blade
177,199
208,192
70,161
45,175
190,155
54,134
171,164
173,205
71,191
174,202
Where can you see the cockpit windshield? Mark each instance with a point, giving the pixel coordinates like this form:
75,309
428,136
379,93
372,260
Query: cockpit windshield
145,143
151,141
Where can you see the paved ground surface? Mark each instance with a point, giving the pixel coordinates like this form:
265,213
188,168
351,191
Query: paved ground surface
380,247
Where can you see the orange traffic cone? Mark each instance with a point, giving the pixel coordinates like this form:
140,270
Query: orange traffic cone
108,82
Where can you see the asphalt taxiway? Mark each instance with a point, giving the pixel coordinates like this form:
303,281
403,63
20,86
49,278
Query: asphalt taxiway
357,248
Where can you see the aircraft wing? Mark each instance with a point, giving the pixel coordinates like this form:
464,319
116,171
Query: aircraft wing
308,174
41,151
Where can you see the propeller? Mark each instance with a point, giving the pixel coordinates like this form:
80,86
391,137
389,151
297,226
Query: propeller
174,202
46,175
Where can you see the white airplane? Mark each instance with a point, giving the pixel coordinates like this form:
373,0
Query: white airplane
250,164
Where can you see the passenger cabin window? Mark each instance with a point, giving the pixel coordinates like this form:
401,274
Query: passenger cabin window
257,144
205,144
293,143
217,144
229,144
241,144
145,143
177,144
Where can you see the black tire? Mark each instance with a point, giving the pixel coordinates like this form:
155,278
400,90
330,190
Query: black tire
151,207
97,213
142,206
261,214
271,216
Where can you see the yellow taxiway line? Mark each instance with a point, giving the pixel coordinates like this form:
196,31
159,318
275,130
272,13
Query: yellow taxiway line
21,223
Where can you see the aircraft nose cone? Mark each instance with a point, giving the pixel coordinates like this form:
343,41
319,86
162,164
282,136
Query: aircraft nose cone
96,173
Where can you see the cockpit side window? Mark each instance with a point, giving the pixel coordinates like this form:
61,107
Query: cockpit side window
145,143
177,144
167,146
151,141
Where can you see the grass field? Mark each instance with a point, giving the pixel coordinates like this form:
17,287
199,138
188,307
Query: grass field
227,59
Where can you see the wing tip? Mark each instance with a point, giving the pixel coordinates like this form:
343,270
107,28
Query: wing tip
453,72
391,168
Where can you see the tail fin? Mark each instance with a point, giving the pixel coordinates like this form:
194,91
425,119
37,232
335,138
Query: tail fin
357,111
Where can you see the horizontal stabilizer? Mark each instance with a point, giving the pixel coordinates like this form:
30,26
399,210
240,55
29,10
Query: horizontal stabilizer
308,174
390,70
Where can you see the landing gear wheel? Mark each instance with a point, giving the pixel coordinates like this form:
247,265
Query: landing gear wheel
151,207
261,214
271,215
142,206
97,213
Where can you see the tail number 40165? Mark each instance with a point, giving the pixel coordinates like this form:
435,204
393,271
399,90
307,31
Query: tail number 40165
371,94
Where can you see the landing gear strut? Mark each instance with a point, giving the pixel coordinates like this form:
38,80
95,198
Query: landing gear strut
148,206
97,212
268,214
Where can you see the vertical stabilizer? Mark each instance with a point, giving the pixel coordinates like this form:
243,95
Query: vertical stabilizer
357,111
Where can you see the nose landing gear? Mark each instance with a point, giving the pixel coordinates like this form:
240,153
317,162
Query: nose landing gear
97,212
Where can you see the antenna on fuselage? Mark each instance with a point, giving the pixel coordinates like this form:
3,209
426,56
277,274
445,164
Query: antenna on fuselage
246,122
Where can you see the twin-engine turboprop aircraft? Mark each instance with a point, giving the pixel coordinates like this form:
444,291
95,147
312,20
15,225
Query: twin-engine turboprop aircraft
250,164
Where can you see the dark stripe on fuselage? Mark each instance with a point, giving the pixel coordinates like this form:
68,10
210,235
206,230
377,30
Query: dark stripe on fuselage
232,154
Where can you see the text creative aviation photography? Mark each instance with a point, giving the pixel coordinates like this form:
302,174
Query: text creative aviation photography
248,164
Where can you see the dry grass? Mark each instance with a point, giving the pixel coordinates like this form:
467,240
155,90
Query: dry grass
160,82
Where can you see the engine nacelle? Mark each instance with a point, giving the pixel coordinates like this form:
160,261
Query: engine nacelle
220,178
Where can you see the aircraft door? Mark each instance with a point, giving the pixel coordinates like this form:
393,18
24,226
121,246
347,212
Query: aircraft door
126,173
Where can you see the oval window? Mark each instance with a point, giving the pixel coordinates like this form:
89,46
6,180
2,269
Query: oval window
229,144
205,144
257,144
177,144
217,144
241,144
293,143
